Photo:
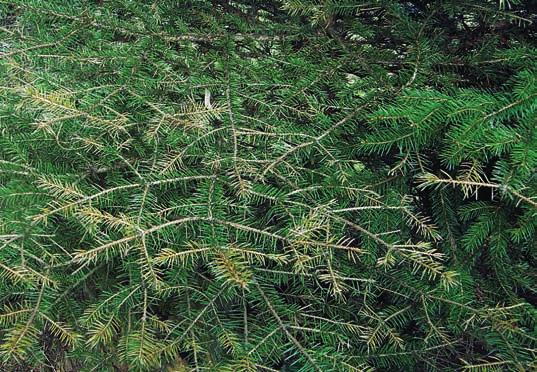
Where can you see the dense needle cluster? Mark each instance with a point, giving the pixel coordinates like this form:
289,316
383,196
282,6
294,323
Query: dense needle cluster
293,185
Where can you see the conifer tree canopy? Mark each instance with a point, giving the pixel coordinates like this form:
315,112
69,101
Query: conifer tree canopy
281,185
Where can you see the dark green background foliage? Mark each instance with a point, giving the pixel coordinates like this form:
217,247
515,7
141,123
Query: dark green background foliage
298,185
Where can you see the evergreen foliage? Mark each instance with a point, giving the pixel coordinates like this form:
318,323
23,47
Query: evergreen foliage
294,185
